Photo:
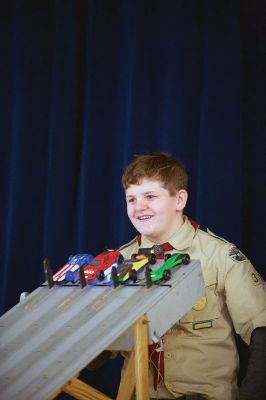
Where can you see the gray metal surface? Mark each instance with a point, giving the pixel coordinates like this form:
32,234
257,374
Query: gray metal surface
54,333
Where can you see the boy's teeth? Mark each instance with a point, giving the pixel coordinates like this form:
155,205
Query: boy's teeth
145,217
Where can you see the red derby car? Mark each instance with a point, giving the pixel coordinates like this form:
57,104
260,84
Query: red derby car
101,266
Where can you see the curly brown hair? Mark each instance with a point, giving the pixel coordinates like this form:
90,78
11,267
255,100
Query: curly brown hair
159,166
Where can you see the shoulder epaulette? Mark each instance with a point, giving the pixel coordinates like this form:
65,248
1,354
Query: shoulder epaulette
124,246
233,252
217,237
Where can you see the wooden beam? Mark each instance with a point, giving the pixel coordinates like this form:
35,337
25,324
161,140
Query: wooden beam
81,391
128,381
141,358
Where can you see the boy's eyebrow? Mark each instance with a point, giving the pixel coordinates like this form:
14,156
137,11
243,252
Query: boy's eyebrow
145,193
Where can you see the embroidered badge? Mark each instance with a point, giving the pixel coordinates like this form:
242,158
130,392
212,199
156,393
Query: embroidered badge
200,304
236,254
202,324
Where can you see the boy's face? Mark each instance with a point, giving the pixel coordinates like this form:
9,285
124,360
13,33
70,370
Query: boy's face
153,212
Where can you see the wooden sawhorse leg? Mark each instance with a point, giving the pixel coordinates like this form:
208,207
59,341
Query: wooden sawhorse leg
80,391
137,373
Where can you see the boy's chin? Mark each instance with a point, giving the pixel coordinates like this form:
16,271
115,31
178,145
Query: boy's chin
146,230
151,235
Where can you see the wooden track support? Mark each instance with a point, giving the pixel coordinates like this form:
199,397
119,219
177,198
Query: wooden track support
136,373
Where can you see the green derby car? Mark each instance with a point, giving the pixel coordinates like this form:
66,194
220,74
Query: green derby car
164,272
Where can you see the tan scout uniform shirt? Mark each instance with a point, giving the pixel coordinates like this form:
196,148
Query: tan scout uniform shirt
205,360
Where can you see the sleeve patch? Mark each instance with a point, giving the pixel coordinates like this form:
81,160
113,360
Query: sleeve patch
236,254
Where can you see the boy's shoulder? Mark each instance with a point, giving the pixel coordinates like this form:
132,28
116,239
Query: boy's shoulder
212,234
227,248
209,236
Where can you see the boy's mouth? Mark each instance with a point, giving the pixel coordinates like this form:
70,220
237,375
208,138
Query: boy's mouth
144,217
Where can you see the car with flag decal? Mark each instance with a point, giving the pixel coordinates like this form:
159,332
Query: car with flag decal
70,271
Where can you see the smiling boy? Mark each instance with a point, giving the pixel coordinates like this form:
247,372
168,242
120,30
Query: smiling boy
153,212
200,360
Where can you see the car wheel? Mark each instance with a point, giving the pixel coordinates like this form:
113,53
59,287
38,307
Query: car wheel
186,259
152,258
133,275
100,275
69,277
167,275
167,256
133,256
119,259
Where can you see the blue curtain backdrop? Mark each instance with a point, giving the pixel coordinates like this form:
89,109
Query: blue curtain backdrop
85,85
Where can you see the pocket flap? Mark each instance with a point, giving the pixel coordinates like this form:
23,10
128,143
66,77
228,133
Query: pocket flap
207,308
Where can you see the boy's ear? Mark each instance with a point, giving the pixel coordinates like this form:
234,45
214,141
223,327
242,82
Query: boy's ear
181,199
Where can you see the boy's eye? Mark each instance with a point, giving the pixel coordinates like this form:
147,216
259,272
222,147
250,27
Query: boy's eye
131,200
150,196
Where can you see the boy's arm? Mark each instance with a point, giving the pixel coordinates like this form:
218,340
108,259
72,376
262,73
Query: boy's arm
245,293
253,386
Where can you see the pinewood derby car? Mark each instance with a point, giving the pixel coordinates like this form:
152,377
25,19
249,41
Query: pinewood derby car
144,253
101,266
164,272
70,271
128,270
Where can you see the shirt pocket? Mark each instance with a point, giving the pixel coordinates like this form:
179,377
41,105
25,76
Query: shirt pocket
204,313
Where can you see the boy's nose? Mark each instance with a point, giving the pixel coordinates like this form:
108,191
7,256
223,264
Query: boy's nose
141,204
